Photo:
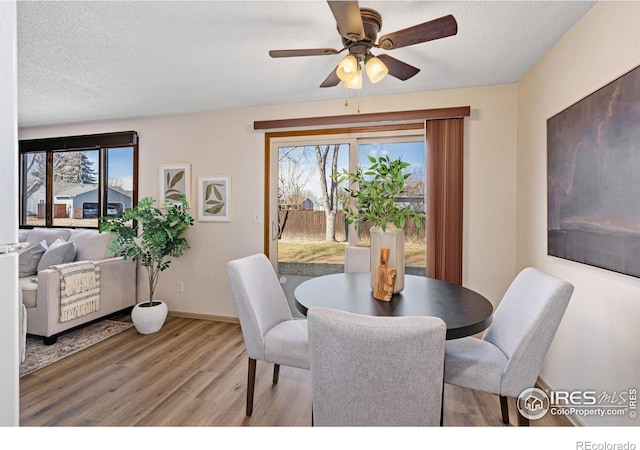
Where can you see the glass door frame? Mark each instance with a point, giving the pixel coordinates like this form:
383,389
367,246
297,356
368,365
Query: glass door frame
273,141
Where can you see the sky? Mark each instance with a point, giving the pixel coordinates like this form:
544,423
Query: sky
411,152
120,165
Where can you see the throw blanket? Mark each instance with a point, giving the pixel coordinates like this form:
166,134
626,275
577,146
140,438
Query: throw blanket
79,289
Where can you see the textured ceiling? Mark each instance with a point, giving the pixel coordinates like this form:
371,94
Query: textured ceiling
80,61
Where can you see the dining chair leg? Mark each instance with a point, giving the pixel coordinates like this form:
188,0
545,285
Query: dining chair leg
442,407
251,382
522,420
276,373
504,407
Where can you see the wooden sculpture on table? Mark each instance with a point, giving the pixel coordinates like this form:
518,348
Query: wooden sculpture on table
384,277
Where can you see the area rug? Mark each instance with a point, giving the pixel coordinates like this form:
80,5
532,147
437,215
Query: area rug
39,355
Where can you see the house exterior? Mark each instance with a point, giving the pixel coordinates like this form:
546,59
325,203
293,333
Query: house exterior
307,205
295,204
117,198
78,198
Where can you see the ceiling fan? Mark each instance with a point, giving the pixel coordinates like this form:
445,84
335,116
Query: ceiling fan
359,29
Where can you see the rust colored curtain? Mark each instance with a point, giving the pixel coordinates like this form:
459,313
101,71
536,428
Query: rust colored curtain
444,206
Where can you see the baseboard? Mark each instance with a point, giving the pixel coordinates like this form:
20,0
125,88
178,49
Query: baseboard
575,420
211,317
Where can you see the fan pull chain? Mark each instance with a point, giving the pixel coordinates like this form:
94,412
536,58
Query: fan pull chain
346,98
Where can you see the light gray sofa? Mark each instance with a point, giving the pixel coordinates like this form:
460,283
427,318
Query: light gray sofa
41,292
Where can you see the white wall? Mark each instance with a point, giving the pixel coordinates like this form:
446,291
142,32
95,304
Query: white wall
9,355
224,142
598,344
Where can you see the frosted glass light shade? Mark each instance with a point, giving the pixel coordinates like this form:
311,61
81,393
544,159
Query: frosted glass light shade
347,68
376,69
355,82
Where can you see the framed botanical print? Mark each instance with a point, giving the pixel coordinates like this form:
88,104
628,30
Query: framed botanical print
214,198
175,182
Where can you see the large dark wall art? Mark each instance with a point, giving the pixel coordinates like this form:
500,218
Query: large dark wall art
593,178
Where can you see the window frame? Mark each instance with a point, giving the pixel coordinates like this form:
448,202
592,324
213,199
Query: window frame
101,142
444,138
353,139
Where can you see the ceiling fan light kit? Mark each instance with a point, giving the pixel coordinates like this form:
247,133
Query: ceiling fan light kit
348,68
355,82
376,70
359,28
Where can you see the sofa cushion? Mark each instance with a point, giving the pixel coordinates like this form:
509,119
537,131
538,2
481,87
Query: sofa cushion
48,234
59,252
22,235
29,258
29,290
90,244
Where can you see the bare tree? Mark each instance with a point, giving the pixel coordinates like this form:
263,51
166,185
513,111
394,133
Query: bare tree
35,168
116,182
329,190
295,172
71,167
293,176
416,173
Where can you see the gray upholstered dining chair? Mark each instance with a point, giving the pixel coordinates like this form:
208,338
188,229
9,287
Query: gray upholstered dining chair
270,332
375,371
510,355
357,259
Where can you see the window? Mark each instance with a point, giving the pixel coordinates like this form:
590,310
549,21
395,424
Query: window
311,228
71,181
444,133
410,149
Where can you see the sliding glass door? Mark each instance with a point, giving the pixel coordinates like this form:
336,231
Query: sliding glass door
411,151
308,233
308,227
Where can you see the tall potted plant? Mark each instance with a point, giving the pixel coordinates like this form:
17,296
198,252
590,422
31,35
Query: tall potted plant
375,191
155,236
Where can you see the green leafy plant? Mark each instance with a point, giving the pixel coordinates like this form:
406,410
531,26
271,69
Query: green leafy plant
157,234
376,191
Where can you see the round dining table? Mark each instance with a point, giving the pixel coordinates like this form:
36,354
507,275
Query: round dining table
464,311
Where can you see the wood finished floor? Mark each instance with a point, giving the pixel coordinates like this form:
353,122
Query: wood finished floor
193,373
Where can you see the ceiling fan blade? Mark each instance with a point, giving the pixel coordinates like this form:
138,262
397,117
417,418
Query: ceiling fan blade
303,52
427,31
397,68
332,80
348,18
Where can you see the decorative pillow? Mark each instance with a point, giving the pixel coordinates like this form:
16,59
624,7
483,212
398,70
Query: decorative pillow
48,234
29,258
60,252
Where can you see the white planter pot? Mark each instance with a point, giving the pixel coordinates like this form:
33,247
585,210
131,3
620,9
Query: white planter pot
149,319
393,239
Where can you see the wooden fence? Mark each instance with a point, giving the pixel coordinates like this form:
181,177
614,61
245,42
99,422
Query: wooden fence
305,226
59,210
309,226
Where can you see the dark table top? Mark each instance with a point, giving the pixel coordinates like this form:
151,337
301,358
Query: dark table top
464,311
